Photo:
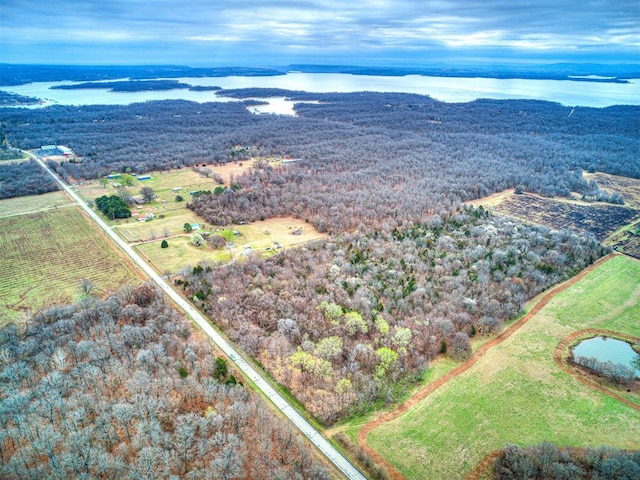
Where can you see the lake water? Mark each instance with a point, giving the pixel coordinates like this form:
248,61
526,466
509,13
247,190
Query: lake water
607,350
447,89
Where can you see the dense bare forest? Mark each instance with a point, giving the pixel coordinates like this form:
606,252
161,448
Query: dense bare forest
123,388
24,178
352,321
366,158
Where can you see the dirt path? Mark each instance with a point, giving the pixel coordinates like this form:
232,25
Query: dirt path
483,466
420,395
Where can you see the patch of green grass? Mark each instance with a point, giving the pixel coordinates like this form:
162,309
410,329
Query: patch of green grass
517,394
164,182
44,256
180,253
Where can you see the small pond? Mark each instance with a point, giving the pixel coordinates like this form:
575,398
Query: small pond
607,350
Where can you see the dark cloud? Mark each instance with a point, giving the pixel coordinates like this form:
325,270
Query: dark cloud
169,31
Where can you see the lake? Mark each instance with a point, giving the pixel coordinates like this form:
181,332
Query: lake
447,89
606,349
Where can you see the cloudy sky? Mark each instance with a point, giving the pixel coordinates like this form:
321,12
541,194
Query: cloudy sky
280,32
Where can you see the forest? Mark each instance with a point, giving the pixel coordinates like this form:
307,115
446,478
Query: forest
387,158
136,86
127,85
124,388
13,99
353,321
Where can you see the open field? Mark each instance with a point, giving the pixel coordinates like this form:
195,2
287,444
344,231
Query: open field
614,225
230,170
14,160
598,218
629,188
33,203
164,182
44,256
170,217
172,224
516,393
260,237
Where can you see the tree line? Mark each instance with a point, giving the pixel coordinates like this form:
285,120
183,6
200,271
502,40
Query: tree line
546,461
18,179
124,388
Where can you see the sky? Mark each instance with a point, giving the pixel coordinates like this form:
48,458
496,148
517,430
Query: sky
282,32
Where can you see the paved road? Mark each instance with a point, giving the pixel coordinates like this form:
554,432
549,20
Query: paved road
298,420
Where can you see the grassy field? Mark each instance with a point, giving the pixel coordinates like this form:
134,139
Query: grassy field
163,183
517,394
172,224
170,217
33,203
44,256
261,237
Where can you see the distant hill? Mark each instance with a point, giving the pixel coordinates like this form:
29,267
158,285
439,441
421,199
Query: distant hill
560,71
14,74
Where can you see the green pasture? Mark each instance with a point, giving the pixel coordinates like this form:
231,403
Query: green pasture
186,179
162,183
517,394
